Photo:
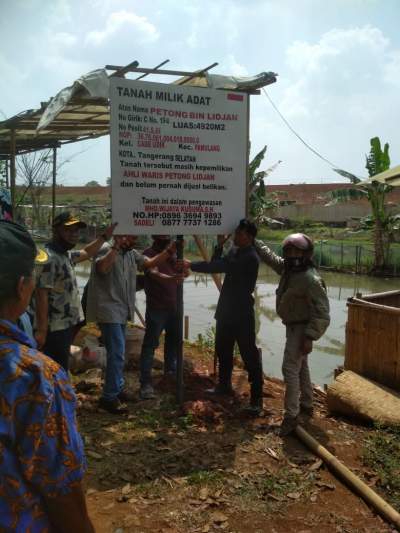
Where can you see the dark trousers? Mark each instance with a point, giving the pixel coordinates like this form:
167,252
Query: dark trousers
158,320
58,346
243,333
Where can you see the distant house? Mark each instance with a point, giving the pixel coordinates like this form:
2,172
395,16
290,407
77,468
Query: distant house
301,201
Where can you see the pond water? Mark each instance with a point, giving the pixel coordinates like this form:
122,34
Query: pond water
201,295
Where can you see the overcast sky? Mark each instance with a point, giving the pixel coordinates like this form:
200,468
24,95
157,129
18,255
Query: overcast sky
338,64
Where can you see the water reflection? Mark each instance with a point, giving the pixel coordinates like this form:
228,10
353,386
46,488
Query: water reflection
201,295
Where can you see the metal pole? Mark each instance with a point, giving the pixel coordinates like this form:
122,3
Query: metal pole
247,205
186,327
53,192
179,329
13,172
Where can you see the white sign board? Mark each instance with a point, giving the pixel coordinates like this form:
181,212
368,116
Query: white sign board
178,158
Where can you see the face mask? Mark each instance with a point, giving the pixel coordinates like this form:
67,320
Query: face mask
295,263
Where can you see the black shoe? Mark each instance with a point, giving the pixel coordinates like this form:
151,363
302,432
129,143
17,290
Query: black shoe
113,406
288,425
147,392
222,390
255,408
126,396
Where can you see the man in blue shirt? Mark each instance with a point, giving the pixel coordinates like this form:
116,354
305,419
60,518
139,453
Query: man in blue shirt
41,452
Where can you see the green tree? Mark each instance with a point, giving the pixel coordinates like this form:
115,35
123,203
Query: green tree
259,200
34,173
377,161
93,183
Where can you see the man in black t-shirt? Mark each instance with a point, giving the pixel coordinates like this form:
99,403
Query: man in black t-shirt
235,309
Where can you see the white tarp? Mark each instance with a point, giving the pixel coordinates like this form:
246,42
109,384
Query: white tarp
94,84
216,81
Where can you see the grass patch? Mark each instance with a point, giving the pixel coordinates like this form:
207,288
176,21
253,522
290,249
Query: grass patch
163,417
206,477
284,485
381,452
149,489
206,342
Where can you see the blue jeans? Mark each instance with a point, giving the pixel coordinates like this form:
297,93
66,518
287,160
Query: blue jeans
158,320
114,341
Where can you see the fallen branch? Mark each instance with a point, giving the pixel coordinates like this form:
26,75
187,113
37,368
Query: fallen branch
370,496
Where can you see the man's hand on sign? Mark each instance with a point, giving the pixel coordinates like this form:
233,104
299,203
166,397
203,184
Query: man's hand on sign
221,239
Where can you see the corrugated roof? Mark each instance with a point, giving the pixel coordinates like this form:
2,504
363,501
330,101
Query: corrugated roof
79,120
81,111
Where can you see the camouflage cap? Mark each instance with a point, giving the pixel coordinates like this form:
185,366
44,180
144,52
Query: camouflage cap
67,219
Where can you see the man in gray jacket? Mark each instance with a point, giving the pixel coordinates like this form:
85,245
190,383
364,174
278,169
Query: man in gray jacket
303,306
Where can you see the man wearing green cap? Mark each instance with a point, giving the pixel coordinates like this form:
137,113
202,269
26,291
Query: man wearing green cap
41,452
57,304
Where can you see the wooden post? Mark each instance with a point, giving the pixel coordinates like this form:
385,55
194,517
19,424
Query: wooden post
357,256
339,469
13,148
179,329
205,256
186,335
53,191
341,254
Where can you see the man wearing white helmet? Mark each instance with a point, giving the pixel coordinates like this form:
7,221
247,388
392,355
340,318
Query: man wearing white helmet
303,305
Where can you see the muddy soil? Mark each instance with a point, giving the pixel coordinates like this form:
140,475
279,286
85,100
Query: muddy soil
209,467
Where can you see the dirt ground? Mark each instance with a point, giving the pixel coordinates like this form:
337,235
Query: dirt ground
209,467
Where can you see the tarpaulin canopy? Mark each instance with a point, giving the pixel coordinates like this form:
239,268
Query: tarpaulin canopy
81,111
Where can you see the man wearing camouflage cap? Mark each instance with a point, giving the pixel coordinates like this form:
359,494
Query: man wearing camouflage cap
57,304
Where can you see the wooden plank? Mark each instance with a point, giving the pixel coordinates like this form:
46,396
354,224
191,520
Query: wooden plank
152,71
371,305
372,343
